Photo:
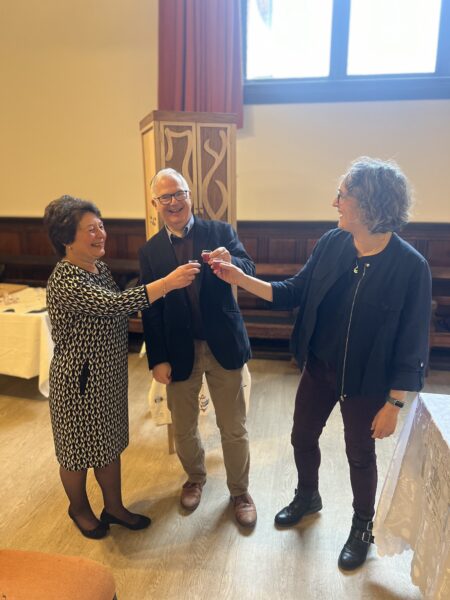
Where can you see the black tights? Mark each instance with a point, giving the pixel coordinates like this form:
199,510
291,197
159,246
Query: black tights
109,480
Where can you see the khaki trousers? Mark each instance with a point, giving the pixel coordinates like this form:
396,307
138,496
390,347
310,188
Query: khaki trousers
227,396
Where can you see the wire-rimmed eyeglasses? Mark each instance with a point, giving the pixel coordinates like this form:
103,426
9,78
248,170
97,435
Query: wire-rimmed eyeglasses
340,196
167,198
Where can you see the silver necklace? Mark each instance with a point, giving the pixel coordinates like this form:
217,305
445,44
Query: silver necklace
356,267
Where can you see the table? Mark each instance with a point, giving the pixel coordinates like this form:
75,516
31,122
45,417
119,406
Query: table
26,347
414,510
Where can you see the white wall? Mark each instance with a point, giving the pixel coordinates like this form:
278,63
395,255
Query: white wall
290,156
77,76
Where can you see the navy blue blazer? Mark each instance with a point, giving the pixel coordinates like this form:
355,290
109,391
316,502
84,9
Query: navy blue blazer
167,322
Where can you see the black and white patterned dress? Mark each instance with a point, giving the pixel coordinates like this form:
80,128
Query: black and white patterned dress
89,369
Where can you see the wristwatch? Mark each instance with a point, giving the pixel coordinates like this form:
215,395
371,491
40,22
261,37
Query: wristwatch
395,402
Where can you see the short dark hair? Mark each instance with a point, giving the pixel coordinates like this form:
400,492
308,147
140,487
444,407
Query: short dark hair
383,193
61,219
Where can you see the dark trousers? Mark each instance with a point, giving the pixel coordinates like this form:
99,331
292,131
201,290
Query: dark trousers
315,399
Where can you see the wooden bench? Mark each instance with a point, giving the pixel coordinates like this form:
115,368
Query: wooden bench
441,307
440,273
35,270
264,323
440,336
276,270
260,320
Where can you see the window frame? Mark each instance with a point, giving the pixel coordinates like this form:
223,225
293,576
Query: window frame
340,87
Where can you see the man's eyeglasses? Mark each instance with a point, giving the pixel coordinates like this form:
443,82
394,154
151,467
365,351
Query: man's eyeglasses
167,198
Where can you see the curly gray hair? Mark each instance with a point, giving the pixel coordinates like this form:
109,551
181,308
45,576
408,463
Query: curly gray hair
383,193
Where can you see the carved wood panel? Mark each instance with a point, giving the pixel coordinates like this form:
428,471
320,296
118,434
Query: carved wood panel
201,146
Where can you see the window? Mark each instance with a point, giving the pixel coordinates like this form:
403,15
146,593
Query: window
292,40
346,50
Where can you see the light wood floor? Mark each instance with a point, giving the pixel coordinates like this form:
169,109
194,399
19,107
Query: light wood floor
203,554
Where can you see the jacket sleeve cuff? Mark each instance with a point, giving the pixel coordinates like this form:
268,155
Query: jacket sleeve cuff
281,298
409,381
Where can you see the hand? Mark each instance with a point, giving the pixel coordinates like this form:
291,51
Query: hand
182,276
163,373
220,253
385,422
228,272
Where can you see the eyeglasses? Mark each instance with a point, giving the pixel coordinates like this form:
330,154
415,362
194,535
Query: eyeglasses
340,196
167,198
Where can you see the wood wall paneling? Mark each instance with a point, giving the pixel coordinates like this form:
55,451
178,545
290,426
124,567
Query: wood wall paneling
278,248
10,242
266,242
439,252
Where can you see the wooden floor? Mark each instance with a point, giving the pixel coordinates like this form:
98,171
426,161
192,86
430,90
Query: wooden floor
203,554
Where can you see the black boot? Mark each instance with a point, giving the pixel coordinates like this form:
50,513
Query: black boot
304,503
355,549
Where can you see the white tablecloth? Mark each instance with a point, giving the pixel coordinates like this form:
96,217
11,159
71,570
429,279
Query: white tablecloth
26,347
414,507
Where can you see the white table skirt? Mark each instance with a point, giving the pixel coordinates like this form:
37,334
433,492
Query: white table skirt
26,347
414,507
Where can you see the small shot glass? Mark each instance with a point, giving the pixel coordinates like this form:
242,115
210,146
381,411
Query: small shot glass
206,255
216,265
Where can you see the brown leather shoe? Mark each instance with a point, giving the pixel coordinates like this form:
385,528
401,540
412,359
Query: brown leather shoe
191,494
244,510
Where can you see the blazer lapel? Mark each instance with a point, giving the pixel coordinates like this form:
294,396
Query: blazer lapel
167,258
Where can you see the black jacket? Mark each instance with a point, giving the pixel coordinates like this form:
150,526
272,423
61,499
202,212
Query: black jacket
397,292
167,323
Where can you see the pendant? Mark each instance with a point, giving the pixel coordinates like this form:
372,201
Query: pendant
356,270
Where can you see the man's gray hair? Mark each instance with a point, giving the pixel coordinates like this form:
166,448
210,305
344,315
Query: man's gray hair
169,172
383,193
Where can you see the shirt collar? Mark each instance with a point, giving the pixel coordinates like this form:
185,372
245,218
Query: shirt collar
186,230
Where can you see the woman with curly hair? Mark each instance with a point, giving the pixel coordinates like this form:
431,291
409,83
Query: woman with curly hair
361,337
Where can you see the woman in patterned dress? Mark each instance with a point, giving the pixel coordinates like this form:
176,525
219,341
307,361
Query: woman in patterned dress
88,372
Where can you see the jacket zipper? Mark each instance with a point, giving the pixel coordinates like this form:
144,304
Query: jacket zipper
342,395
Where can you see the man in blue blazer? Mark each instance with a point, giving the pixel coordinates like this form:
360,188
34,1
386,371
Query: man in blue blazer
195,331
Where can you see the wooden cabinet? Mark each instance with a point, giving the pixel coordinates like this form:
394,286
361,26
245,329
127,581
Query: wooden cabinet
202,147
